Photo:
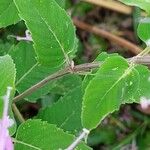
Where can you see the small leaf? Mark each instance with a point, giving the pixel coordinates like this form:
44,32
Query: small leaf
108,90
144,84
7,76
68,119
53,33
44,136
8,13
143,4
144,30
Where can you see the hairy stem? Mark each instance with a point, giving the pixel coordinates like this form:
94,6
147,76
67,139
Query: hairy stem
76,69
84,134
17,113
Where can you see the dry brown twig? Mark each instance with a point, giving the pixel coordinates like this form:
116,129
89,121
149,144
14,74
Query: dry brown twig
113,5
105,34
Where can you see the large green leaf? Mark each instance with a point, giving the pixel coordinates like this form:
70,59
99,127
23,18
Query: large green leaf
53,33
143,4
68,119
8,13
113,84
44,136
28,71
100,58
7,76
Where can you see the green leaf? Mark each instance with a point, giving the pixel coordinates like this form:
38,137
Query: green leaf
62,3
113,84
7,76
100,58
44,136
144,84
65,84
8,13
53,33
29,72
144,24
144,30
4,47
68,119
143,4
24,57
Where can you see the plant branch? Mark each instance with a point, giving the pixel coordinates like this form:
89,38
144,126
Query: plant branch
84,134
17,113
78,68
112,5
54,77
105,34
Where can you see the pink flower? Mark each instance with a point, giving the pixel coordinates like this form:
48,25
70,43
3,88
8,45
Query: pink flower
5,122
145,103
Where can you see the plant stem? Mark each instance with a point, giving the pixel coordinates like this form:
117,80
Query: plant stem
17,113
84,133
54,77
112,5
105,34
76,69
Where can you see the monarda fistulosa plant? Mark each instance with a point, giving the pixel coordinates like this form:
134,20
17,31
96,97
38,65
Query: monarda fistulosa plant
42,63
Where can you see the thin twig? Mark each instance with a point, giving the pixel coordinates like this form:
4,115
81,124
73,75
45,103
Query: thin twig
54,77
76,69
112,5
17,113
105,34
84,133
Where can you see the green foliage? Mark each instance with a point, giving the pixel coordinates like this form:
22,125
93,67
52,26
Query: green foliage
29,72
69,119
113,83
78,103
144,84
55,41
7,74
100,58
8,13
52,138
102,135
144,30
144,24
